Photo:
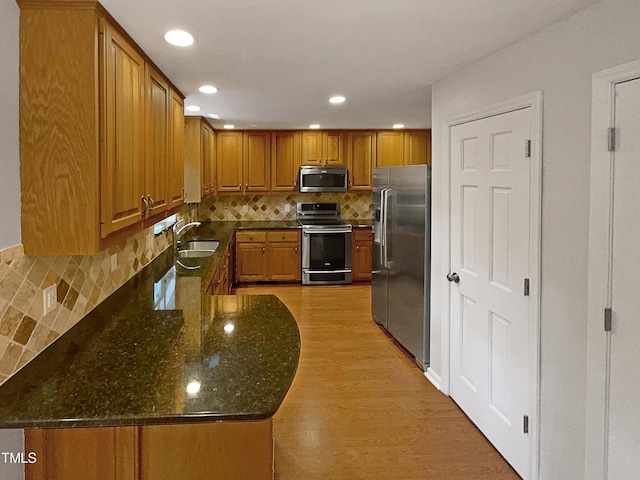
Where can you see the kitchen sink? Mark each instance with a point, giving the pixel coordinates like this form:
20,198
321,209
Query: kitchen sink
194,253
200,245
197,248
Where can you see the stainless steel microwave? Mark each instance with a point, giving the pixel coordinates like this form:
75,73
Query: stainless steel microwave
323,179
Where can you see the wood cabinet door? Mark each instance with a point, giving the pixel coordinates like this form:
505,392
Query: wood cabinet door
362,250
333,148
176,150
229,162
257,161
361,150
251,262
389,149
122,166
108,453
283,261
312,148
193,164
158,101
211,451
417,148
206,138
285,159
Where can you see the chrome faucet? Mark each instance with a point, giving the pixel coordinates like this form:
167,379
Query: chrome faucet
177,232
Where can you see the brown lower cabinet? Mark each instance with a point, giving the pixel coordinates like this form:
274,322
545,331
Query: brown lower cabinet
223,280
215,451
268,255
361,254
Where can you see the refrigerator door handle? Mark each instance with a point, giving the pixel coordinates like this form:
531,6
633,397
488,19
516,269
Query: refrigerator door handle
383,225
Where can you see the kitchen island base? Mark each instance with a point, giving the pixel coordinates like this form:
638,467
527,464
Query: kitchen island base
211,451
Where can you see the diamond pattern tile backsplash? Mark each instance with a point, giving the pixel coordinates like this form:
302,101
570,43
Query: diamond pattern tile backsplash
272,207
82,282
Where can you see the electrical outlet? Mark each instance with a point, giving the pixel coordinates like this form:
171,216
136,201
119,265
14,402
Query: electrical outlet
245,208
148,242
367,207
114,262
287,207
49,299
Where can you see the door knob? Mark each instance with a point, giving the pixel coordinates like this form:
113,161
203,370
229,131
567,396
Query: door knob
453,277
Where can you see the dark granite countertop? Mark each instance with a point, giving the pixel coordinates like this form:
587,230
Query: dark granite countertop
360,222
159,350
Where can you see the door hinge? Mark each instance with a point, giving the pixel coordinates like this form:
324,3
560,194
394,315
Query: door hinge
608,315
526,287
611,140
527,148
525,424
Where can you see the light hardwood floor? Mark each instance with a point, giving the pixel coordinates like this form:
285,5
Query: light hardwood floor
359,408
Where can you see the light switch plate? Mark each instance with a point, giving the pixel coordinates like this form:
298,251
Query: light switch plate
245,208
49,299
114,262
287,207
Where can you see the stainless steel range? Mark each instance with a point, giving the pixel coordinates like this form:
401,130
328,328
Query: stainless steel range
326,244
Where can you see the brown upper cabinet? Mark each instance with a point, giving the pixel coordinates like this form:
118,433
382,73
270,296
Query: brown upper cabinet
176,150
361,151
199,159
390,149
417,147
285,160
229,162
96,143
322,147
257,161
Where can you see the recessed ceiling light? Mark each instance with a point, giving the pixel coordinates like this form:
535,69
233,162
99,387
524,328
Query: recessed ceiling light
208,89
314,126
192,108
228,126
337,99
398,125
213,115
179,38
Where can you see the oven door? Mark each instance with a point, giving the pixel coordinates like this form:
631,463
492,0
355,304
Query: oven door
326,256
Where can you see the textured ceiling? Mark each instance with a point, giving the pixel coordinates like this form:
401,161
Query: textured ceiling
277,62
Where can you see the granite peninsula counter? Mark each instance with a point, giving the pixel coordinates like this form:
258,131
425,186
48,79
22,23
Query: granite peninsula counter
163,366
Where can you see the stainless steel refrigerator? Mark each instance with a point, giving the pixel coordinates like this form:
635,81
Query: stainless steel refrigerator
401,255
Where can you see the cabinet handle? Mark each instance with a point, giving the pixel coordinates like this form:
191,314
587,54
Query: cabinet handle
184,194
262,249
295,249
153,204
146,205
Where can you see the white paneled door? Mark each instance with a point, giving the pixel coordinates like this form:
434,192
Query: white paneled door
490,187
623,435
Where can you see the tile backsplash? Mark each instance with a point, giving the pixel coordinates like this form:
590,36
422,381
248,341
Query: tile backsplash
82,282
272,207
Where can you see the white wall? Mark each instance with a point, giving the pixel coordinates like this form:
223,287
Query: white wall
559,61
9,150
11,441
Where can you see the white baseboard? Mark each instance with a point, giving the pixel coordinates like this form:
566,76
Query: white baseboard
434,378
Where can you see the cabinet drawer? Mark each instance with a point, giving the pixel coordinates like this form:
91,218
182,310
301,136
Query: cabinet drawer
283,236
361,234
251,236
